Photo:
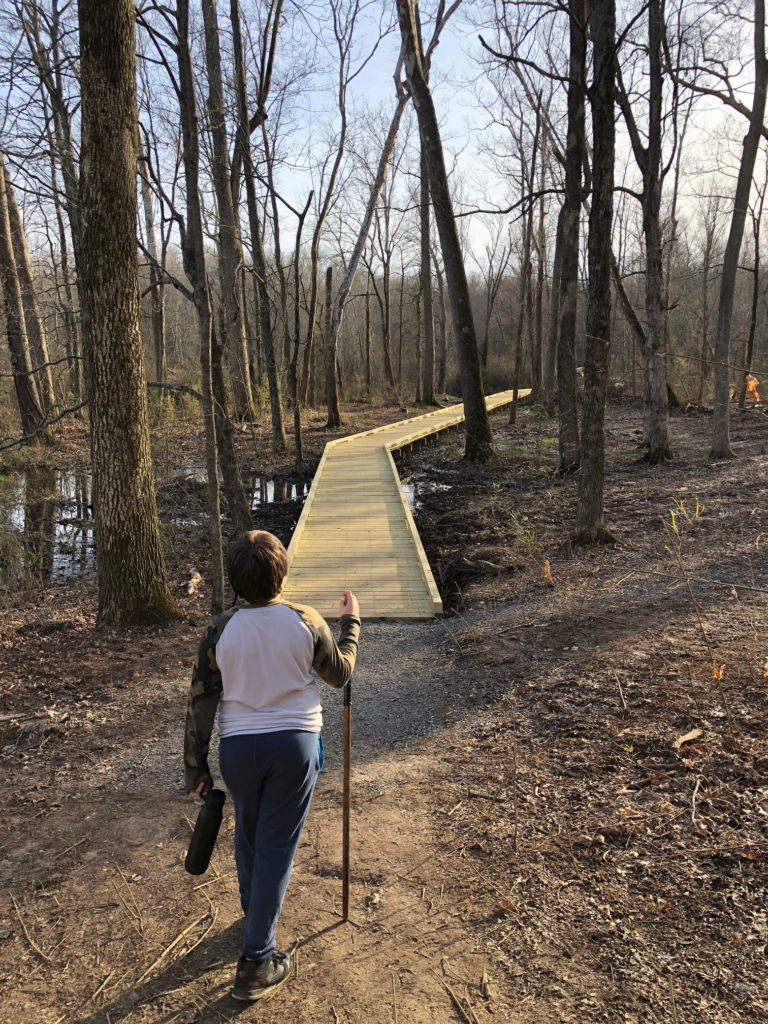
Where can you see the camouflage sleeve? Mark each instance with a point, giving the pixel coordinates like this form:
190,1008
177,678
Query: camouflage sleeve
335,661
204,694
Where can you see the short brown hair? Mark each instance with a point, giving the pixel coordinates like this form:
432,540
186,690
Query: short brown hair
257,564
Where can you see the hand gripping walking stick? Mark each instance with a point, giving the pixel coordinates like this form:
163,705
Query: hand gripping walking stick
346,793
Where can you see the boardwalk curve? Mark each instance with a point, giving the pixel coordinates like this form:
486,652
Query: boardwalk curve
357,531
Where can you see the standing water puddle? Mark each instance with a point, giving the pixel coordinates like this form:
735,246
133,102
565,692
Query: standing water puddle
417,486
46,527
47,524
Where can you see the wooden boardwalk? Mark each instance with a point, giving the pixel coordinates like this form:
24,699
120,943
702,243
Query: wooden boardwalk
357,532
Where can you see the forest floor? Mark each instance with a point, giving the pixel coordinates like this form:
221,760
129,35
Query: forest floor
560,789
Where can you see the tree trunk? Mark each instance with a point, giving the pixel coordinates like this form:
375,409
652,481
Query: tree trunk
589,510
550,356
721,441
293,368
193,254
478,439
750,345
575,151
27,396
259,262
386,323
156,283
131,574
537,371
656,400
368,378
362,235
427,316
331,387
38,343
66,300
230,250
442,334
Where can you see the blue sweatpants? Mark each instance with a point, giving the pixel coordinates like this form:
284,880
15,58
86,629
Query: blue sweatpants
271,777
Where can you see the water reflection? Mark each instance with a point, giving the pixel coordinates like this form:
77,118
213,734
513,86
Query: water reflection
182,497
46,528
416,486
264,490
47,525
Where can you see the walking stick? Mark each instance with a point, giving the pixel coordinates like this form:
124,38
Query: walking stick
345,801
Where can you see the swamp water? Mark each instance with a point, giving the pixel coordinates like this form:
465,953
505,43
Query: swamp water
47,527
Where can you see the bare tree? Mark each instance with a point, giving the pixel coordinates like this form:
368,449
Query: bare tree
478,439
245,126
721,441
27,394
649,158
131,574
230,249
35,327
589,527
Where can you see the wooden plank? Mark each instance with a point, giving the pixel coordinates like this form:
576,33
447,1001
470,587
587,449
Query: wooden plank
356,528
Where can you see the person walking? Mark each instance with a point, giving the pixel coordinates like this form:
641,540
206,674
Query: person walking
258,664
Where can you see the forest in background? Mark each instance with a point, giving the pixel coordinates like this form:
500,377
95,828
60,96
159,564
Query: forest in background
321,132
320,210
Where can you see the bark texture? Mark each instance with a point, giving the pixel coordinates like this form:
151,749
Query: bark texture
193,254
38,342
130,570
478,439
230,250
27,395
589,509
568,225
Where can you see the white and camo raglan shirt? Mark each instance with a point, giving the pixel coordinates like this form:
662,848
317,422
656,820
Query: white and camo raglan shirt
259,664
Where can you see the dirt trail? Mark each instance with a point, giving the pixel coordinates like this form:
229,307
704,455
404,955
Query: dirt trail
560,795
103,896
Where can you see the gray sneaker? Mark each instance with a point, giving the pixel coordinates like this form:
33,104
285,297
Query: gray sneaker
255,981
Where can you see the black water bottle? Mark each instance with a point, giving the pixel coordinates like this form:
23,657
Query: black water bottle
206,829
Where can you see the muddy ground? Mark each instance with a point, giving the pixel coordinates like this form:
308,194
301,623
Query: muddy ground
560,789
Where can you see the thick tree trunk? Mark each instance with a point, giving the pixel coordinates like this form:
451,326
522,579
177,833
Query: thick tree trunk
656,400
27,396
478,439
575,150
589,511
131,574
721,441
38,342
230,250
